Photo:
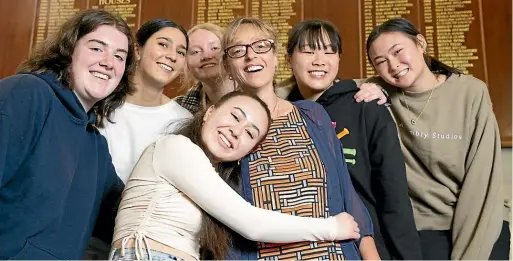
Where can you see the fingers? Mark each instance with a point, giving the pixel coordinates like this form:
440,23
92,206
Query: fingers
348,216
365,96
370,92
368,97
354,235
365,91
382,100
355,227
360,95
349,226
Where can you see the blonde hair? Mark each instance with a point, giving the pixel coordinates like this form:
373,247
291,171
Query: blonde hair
233,27
188,81
261,25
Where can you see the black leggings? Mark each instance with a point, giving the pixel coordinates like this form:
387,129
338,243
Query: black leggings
500,250
437,244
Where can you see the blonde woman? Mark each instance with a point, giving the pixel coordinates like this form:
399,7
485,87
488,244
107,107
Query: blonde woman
299,168
202,73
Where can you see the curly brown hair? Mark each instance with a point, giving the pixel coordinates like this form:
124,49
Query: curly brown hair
55,53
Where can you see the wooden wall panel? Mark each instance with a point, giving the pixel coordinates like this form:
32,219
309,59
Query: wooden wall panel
483,48
345,18
181,13
17,19
497,37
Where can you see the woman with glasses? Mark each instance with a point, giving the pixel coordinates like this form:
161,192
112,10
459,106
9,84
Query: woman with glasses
299,168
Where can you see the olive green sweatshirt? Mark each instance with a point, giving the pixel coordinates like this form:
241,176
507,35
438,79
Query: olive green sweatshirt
453,162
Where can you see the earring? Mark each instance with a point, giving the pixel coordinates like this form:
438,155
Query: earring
238,162
230,77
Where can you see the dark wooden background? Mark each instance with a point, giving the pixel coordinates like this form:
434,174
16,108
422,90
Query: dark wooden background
490,32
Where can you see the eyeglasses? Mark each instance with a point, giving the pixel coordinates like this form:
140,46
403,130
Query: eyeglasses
239,50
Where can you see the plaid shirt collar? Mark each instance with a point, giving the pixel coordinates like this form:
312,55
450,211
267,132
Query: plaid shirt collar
192,99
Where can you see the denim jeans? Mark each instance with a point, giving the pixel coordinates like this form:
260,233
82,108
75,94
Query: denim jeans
115,254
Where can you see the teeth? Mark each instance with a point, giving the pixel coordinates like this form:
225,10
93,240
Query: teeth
223,138
208,65
100,75
254,68
401,73
165,67
318,73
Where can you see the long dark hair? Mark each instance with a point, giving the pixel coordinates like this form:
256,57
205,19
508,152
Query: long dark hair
214,236
154,25
404,26
55,53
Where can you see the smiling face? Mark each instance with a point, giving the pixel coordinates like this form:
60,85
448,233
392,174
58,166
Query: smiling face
315,69
232,130
98,64
162,57
204,54
399,59
253,70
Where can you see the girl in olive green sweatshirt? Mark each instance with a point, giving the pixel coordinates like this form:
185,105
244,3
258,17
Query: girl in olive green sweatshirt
451,145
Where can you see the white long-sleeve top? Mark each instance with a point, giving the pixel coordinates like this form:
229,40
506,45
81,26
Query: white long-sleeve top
170,183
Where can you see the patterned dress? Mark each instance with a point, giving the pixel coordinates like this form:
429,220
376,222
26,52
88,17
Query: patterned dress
287,175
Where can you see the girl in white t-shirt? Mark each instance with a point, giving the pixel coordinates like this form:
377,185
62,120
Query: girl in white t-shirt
147,112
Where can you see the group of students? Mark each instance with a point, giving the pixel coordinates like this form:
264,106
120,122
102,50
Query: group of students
242,167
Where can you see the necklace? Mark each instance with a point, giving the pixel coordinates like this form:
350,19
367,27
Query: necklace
414,121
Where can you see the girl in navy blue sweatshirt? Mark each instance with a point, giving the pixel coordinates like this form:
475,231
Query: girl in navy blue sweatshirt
55,167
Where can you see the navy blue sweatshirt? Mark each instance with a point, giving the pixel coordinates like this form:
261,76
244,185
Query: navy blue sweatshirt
55,169
376,165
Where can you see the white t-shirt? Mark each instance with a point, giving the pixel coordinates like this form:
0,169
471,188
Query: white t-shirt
135,127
